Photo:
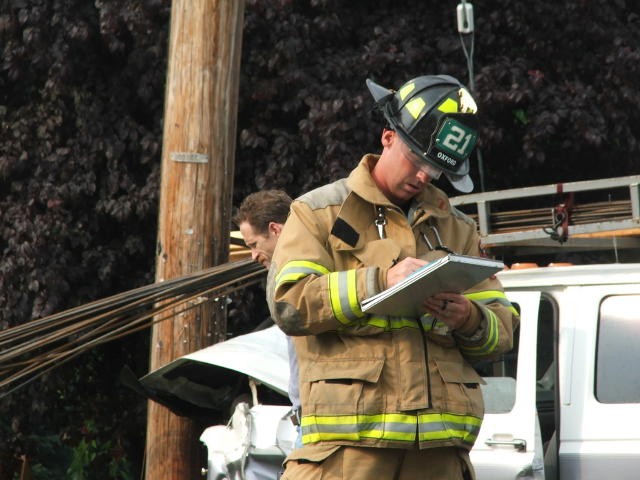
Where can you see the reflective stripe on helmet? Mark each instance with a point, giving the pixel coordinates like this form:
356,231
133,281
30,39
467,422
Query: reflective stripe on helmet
415,107
406,90
448,106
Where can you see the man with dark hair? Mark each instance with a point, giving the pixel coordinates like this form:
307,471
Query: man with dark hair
260,219
389,397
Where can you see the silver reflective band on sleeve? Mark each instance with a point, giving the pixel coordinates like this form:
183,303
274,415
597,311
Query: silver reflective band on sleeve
344,296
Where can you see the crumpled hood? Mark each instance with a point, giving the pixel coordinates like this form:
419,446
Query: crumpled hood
202,384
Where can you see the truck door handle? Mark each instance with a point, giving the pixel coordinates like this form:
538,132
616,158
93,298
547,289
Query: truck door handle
518,443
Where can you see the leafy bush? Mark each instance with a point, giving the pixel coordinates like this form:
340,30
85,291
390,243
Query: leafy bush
81,87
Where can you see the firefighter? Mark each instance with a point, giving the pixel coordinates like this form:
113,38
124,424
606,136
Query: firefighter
388,397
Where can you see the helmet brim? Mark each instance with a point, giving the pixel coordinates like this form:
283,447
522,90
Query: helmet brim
462,183
378,92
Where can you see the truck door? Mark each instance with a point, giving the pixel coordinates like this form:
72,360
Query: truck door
600,401
509,445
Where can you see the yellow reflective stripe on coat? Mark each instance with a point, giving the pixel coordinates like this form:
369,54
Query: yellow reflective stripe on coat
491,342
491,296
492,336
388,323
391,426
298,269
343,295
443,426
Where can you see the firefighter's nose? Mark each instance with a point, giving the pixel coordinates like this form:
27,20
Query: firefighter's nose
423,176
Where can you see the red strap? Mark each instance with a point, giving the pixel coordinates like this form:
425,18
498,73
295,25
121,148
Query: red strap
562,215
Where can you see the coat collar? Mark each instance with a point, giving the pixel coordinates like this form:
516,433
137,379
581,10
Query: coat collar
360,182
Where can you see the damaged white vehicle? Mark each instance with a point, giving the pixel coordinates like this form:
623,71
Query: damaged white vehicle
245,379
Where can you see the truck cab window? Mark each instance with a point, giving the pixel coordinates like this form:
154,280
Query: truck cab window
617,354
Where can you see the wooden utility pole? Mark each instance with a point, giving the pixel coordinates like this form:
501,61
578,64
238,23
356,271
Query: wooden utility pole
195,202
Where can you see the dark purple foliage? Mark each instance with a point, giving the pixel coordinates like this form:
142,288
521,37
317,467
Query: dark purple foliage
81,105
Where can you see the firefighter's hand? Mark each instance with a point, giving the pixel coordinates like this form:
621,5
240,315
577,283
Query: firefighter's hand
452,309
402,269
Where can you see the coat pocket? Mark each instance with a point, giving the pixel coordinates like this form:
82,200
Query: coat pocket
342,386
460,391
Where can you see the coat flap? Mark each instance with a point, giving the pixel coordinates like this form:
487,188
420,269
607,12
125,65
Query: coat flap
366,369
457,372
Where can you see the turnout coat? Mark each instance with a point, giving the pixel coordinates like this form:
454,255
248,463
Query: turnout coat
372,380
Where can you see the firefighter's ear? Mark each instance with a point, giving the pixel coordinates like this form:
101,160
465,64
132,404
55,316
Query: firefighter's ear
387,137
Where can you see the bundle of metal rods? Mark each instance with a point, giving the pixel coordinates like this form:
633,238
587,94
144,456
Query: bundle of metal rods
506,221
36,347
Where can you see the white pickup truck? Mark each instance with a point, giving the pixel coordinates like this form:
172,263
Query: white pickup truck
564,404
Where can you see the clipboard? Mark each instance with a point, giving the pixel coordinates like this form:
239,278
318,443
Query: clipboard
452,273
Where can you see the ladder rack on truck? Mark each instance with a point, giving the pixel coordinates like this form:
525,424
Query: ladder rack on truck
578,216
